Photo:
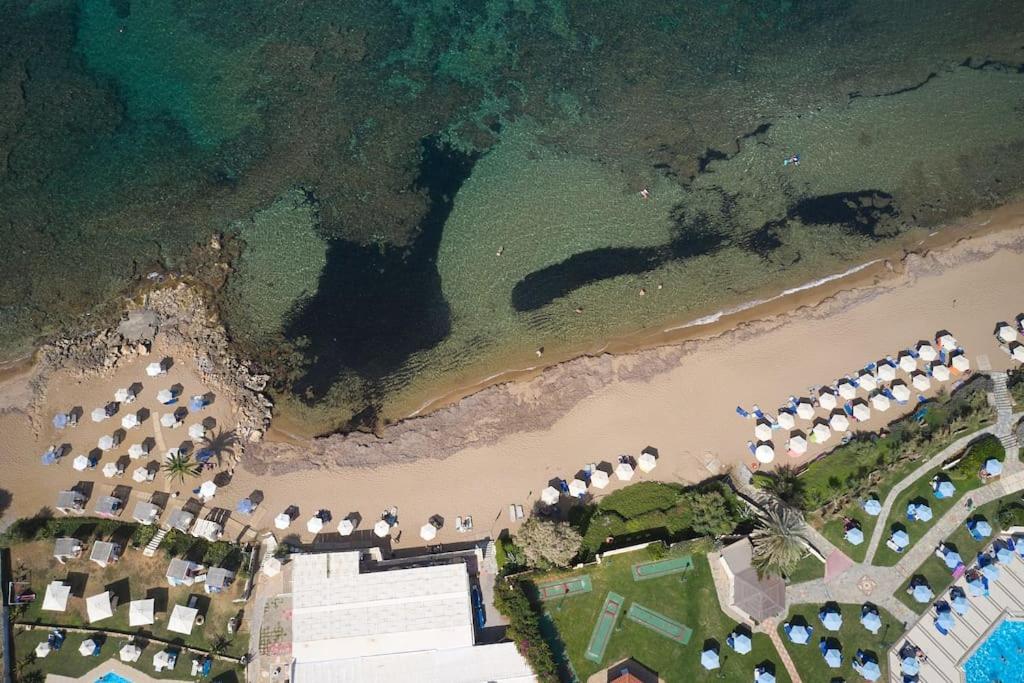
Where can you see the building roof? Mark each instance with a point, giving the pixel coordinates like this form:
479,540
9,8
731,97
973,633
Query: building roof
180,520
145,512
500,663
179,569
760,598
336,608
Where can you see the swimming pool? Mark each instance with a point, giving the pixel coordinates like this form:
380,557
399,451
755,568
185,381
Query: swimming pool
112,678
998,659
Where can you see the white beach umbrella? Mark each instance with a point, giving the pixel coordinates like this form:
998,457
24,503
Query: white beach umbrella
947,342
271,566
196,431
1007,333
141,474
921,381
155,369
140,612
786,420
136,451
861,412
599,479
98,607
1018,353
314,525
382,528
105,443
886,372
960,363
838,422
42,650
282,521
764,453
647,462
130,421
428,532
901,391
908,363
927,352
804,410
208,489
821,432
940,372
346,527
798,444
124,395
550,495
880,402
87,648
164,396
867,381
847,390
80,463
110,470
827,400
763,431
99,414
169,420
624,471
577,487
129,653
181,620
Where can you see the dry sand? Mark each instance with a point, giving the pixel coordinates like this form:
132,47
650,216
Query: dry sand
503,444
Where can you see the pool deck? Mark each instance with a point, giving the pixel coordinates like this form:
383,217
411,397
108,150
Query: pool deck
112,665
946,654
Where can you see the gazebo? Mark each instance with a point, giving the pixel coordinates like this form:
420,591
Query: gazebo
99,607
757,598
56,597
181,520
208,529
218,579
145,512
182,618
140,612
67,549
70,501
182,572
108,506
104,553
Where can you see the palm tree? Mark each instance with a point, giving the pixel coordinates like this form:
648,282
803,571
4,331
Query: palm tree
778,541
179,466
786,485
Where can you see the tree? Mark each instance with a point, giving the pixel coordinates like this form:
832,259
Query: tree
548,543
711,513
778,541
785,485
179,466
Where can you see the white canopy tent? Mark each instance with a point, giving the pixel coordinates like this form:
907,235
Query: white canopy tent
164,396
141,474
646,462
207,489
763,431
56,597
182,618
80,463
947,342
140,612
98,607
124,395
1018,353
43,649
165,659
550,495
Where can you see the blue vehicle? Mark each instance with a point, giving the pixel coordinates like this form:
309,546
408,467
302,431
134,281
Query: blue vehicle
478,606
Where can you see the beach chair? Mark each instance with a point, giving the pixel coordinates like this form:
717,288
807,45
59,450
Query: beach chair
893,547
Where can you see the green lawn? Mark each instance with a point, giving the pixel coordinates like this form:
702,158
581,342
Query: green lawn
921,489
68,661
688,598
934,569
808,659
807,569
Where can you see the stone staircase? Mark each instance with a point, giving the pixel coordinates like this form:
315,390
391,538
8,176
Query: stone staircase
154,543
1004,411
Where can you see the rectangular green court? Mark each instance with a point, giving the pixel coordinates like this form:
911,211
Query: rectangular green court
659,623
652,570
562,588
602,632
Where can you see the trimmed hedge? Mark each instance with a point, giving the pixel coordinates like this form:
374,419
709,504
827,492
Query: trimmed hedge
642,498
524,629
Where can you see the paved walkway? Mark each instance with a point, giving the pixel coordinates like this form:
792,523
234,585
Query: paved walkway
771,628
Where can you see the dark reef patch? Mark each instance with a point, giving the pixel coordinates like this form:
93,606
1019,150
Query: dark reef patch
376,305
901,91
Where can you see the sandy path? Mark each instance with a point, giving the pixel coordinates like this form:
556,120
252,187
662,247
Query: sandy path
685,409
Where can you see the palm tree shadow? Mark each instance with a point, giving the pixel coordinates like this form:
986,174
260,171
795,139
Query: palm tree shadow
221,444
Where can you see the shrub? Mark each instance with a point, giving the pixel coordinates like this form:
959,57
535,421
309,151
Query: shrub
978,453
548,543
713,514
176,544
216,553
509,556
657,551
142,535
524,629
641,498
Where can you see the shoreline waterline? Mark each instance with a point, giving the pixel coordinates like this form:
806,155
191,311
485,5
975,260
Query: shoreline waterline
883,263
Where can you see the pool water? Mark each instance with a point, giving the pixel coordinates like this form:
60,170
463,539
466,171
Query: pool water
112,678
999,658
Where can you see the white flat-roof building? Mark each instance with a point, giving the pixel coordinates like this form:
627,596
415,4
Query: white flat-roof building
402,624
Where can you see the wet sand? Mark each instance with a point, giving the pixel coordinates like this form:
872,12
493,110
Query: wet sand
503,444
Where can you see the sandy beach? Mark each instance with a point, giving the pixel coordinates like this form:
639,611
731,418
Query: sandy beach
503,444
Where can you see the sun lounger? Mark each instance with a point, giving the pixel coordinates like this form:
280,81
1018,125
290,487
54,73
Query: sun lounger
892,546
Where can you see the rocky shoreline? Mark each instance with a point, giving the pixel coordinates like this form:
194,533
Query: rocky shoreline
188,332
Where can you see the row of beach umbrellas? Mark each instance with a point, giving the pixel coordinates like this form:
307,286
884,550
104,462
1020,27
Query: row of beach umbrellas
623,471
1008,334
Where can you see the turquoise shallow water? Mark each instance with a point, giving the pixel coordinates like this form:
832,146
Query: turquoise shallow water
998,659
416,193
